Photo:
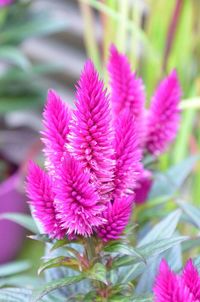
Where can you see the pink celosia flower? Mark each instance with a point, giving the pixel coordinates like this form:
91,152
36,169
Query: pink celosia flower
91,133
164,115
5,2
40,191
128,154
143,186
170,287
127,90
56,121
76,200
117,215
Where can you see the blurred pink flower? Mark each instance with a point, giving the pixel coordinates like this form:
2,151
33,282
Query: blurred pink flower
117,215
127,90
170,287
164,115
5,2
143,186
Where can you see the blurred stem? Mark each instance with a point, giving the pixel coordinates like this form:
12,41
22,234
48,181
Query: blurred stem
90,249
172,31
135,16
121,28
89,33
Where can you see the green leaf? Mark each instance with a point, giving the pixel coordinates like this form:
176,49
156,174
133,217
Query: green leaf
40,237
10,294
192,212
168,183
142,299
163,229
51,286
60,243
14,56
60,261
14,268
97,272
20,280
22,219
149,250
123,249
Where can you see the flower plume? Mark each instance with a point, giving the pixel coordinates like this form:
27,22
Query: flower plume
91,133
56,121
127,90
117,215
128,154
40,191
164,115
170,287
76,199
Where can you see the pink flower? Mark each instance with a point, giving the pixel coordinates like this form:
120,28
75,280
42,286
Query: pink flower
127,90
76,200
164,115
170,287
91,132
128,154
5,2
40,191
117,215
143,186
56,121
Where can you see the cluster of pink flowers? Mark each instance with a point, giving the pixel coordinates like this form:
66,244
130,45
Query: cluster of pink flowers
93,153
171,287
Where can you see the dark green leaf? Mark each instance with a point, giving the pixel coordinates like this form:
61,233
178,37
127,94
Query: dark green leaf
22,219
14,56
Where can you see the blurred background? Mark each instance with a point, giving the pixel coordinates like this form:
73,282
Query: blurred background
44,44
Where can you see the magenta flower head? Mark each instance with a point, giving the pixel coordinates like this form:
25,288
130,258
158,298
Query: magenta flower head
40,191
76,200
127,91
164,115
92,162
91,135
170,287
5,2
117,215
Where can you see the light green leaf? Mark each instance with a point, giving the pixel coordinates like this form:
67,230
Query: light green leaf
98,272
51,286
22,219
192,212
163,229
10,294
14,56
168,183
14,268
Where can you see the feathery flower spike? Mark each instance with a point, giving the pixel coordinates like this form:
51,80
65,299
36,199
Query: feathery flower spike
164,115
91,133
170,287
117,215
39,188
127,90
128,154
76,200
56,121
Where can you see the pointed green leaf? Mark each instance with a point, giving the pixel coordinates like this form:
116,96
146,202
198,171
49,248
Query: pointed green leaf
53,285
60,261
22,219
14,268
98,272
192,212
